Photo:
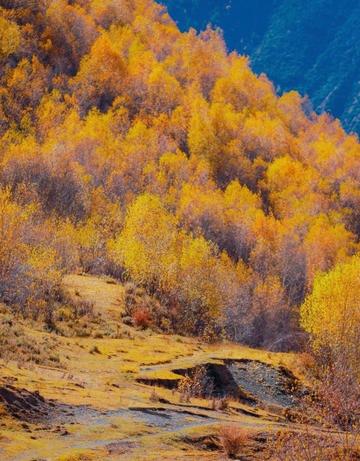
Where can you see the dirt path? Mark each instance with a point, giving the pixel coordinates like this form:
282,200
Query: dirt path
75,425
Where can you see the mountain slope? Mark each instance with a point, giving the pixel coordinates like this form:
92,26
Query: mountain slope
307,45
129,148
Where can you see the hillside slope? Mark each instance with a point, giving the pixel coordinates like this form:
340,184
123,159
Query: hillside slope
311,46
212,227
118,397
131,149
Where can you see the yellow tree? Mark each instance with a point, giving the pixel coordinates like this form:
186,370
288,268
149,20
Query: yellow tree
10,37
101,75
331,313
164,91
265,136
242,89
147,245
13,250
202,138
325,245
294,188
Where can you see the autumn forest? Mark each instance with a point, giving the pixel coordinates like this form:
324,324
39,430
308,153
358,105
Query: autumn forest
132,150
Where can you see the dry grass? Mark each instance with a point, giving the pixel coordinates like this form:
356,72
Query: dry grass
17,343
103,293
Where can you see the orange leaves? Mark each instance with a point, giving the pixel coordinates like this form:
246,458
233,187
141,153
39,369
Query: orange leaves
265,137
10,37
100,76
242,89
157,253
164,91
202,139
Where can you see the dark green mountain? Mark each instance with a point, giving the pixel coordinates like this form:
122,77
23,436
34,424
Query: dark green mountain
310,45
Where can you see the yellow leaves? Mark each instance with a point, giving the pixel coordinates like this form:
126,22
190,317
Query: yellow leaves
43,262
157,253
28,81
291,111
12,216
10,37
196,263
225,185
147,243
284,173
326,244
164,91
242,89
241,198
269,294
195,252
294,188
201,135
21,259
331,313
174,169
51,112
198,206
264,136
325,152
198,59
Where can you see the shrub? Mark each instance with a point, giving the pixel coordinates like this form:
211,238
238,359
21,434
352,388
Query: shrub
142,318
155,397
334,406
95,350
232,439
311,446
221,404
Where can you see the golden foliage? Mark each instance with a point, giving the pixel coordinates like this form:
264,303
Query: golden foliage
130,148
331,313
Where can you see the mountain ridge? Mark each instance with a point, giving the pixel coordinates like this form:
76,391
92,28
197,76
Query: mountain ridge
310,46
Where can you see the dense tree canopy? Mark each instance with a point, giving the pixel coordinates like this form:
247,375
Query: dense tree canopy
130,148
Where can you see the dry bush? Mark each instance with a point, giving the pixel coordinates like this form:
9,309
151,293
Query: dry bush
143,310
155,397
330,416
233,439
312,445
72,308
83,308
142,318
221,404
305,363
